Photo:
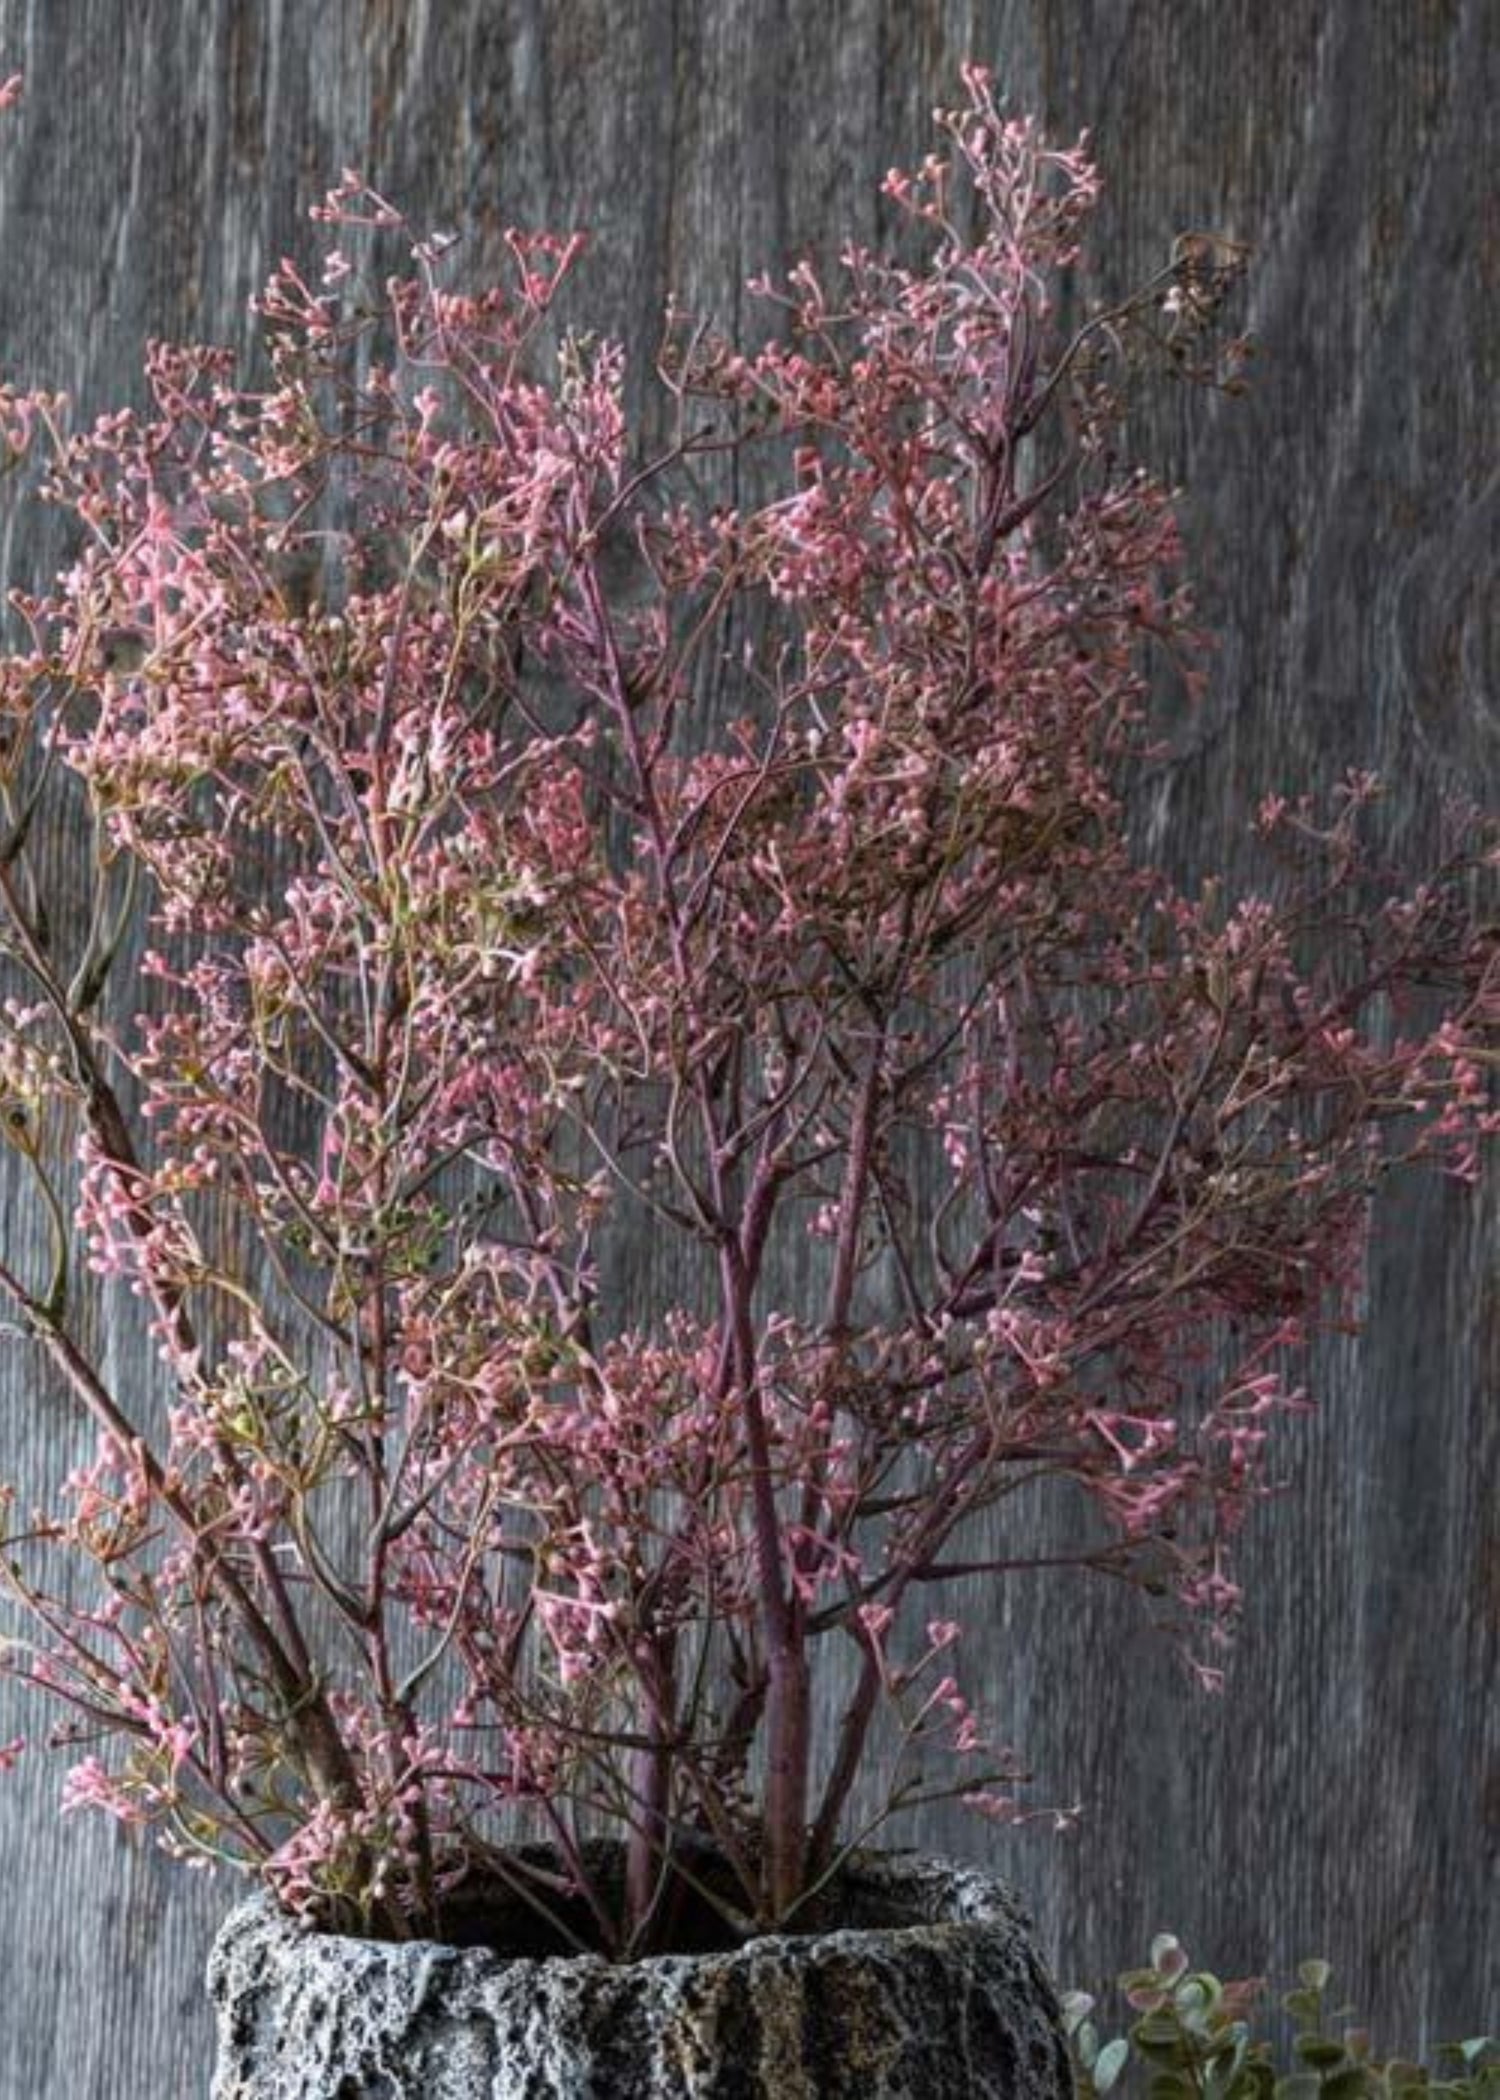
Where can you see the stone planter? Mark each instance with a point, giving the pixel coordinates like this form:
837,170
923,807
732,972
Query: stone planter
928,1987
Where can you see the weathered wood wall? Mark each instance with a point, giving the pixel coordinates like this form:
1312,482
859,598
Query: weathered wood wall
1344,1794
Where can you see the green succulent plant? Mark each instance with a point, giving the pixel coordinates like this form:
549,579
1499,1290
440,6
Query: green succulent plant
1195,2039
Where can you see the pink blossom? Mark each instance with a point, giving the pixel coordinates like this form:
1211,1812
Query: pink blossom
91,1785
617,1186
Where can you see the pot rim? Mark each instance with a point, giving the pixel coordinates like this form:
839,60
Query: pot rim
977,1903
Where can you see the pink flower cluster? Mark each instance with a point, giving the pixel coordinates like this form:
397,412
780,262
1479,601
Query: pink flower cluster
629,1140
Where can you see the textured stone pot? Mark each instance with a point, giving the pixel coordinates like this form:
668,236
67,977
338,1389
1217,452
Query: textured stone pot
928,1987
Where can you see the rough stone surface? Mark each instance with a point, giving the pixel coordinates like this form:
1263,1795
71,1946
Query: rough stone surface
952,2005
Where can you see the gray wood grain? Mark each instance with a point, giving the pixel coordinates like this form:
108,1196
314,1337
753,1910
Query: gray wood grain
1343,1796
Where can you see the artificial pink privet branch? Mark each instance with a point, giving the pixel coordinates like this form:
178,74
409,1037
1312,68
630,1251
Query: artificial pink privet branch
478,937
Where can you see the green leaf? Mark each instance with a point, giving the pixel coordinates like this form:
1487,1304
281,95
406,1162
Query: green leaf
1086,2044
1349,2084
1198,1994
1225,2067
1144,2000
1402,2077
1314,1974
1172,2085
1076,2007
1299,2085
1320,2051
1109,2063
1162,2042
1160,2037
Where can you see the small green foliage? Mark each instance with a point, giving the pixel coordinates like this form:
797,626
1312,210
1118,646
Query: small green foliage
1096,2068
1193,2040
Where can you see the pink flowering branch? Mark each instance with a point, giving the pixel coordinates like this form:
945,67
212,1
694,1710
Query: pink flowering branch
501,903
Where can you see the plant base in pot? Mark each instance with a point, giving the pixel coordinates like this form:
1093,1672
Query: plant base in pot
927,1986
